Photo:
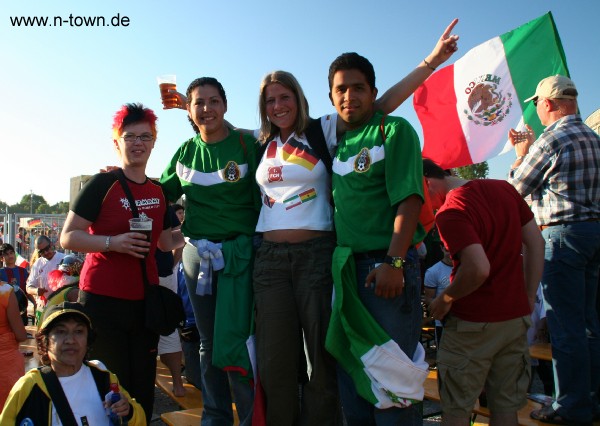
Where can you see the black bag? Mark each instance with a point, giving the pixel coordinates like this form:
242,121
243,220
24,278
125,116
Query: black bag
163,308
189,334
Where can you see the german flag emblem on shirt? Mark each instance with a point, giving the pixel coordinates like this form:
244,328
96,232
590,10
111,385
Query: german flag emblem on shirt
297,153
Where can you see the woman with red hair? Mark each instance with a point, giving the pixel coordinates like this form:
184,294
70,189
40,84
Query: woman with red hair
111,282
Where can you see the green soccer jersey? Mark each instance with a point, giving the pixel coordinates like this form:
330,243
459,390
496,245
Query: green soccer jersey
221,196
371,177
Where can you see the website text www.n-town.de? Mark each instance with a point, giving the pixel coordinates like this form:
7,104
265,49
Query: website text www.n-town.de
71,20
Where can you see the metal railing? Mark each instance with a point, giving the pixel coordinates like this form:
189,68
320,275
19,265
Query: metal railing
21,230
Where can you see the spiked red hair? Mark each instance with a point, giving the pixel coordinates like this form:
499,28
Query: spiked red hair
133,113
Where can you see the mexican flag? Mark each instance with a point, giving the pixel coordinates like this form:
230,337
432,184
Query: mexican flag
21,261
382,373
466,109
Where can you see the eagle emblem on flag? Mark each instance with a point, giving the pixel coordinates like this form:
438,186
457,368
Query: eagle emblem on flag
487,104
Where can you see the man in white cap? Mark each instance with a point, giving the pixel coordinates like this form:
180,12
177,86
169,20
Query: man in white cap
561,171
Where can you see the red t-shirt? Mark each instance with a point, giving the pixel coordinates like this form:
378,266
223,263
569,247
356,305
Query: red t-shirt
103,202
491,213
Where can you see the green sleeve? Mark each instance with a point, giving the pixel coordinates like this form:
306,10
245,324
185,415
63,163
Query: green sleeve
169,179
404,164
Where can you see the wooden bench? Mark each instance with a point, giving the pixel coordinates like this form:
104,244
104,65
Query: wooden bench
541,351
188,417
193,396
30,345
191,402
183,418
432,394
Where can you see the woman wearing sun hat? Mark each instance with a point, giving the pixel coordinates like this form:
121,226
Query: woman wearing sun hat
63,341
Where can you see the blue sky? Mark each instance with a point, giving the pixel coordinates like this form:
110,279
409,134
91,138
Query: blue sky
63,84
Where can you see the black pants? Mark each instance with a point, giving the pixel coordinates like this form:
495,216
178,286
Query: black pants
292,292
124,344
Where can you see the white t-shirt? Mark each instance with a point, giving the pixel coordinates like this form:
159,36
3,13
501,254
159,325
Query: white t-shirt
438,277
82,393
40,270
294,184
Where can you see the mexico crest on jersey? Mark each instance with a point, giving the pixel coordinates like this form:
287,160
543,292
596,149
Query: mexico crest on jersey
232,172
363,161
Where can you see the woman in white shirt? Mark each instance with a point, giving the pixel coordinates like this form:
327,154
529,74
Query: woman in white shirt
292,272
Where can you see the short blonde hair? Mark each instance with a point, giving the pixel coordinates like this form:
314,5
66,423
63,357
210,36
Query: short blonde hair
267,129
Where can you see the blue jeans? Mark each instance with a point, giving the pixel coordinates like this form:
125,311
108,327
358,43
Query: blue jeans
570,284
217,384
191,355
400,317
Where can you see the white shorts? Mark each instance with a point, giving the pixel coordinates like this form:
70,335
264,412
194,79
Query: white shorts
171,343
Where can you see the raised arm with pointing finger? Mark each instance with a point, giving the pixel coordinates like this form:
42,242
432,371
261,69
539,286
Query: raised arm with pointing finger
445,47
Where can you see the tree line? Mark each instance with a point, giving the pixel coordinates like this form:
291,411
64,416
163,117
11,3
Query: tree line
35,204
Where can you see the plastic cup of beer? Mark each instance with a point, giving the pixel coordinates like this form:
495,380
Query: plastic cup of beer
166,83
143,225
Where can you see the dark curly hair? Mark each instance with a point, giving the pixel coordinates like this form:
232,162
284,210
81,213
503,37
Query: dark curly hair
5,247
41,337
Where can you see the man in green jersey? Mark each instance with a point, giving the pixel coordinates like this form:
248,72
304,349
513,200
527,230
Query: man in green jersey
378,193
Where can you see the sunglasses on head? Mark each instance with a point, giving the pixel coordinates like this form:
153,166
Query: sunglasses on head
45,249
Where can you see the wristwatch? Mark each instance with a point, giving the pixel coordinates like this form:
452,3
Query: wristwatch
395,262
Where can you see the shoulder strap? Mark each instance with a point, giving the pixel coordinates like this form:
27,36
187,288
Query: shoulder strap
382,127
243,145
316,139
63,409
262,148
123,182
134,211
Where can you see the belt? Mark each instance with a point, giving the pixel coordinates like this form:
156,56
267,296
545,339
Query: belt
542,227
373,254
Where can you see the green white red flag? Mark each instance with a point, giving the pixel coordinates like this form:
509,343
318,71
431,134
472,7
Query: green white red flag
21,261
467,108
